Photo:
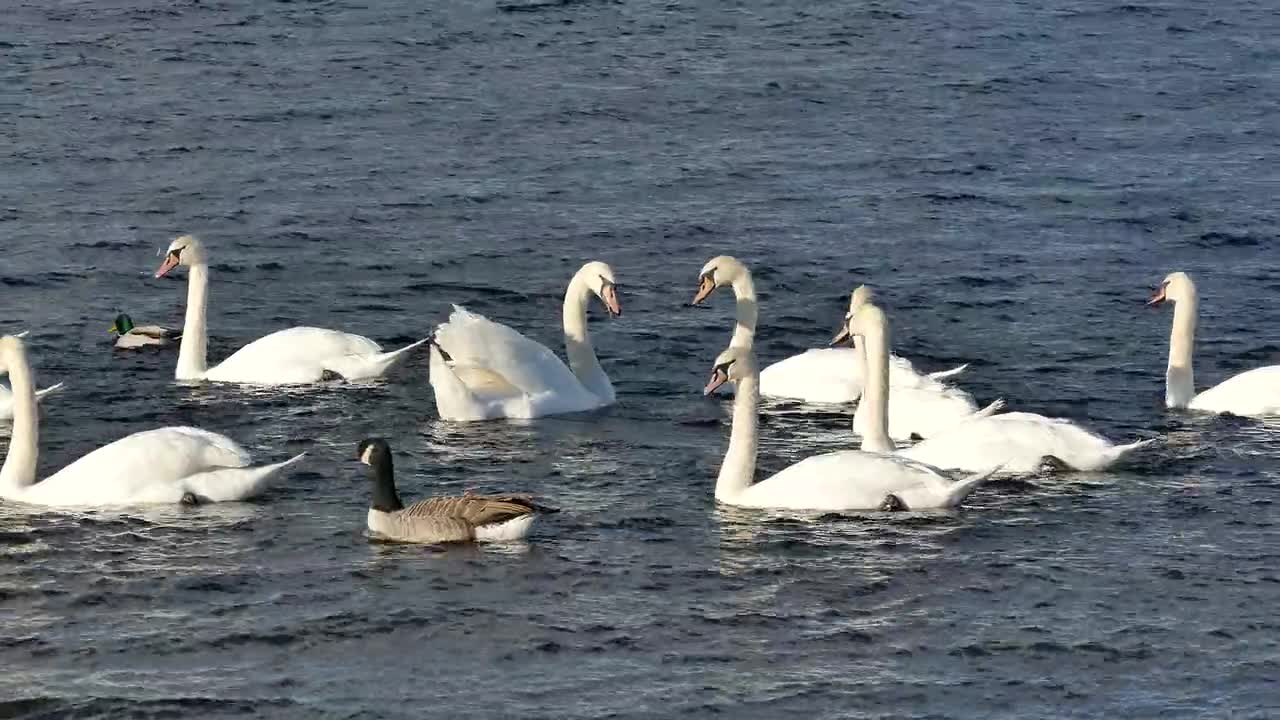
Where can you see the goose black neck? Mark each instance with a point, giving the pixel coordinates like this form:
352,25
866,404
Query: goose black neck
385,497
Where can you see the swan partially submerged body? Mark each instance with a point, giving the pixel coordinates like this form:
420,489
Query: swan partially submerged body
820,375
6,399
481,369
1253,393
166,465
464,518
299,355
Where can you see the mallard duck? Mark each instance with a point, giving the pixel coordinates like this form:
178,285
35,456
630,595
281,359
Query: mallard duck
135,336
463,518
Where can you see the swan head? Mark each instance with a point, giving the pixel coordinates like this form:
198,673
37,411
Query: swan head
863,317
860,296
599,277
122,324
732,365
10,347
1175,288
719,271
184,250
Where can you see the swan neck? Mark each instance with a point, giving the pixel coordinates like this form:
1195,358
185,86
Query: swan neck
193,352
875,393
739,466
19,470
746,310
1180,386
577,340
384,496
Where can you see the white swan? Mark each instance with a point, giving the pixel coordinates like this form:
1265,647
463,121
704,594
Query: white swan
1019,442
167,465
488,370
866,479
820,375
1251,393
298,355
464,518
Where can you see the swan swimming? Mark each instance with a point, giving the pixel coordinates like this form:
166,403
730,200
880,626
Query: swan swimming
481,369
299,355
868,479
166,465
1253,393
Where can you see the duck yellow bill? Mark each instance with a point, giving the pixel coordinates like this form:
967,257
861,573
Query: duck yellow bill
705,286
718,378
113,329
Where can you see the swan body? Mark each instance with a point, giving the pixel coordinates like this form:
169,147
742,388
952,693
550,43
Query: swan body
819,375
481,369
1254,393
868,479
924,412
832,375
299,355
6,399
1020,442
465,518
130,336
166,465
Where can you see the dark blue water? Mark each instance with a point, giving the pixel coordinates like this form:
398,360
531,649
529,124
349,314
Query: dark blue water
1012,177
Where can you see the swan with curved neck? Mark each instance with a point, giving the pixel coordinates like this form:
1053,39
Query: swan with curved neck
1251,393
866,479
166,465
299,355
482,370
820,375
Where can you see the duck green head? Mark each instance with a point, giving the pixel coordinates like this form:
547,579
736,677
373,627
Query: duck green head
122,324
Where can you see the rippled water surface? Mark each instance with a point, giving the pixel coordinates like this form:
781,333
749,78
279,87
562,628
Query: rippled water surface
1012,177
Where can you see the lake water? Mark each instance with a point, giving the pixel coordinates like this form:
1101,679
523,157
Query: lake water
1013,178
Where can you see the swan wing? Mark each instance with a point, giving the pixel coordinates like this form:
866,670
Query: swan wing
295,355
846,480
474,341
820,375
923,411
1251,393
147,466
1018,441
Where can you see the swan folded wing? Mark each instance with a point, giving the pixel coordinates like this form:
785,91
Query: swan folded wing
1254,392
294,355
474,341
845,480
130,468
818,375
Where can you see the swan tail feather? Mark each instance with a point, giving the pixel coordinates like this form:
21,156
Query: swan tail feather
961,489
1121,451
948,374
375,366
996,406
232,484
49,390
